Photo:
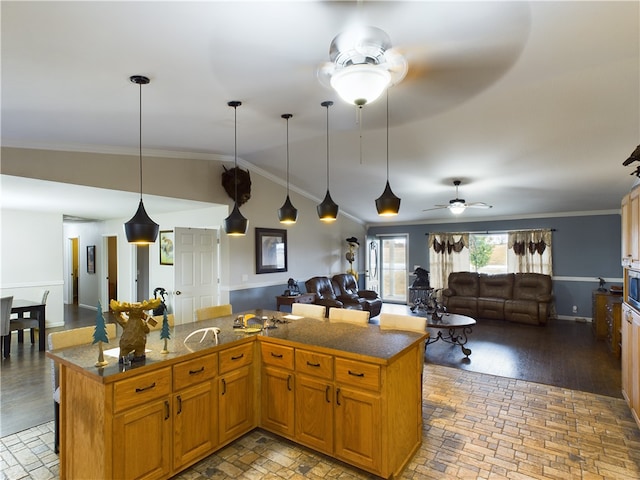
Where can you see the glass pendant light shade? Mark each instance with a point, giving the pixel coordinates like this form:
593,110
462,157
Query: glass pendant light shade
328,209
387,204
235,224
141,229
360,84
287,214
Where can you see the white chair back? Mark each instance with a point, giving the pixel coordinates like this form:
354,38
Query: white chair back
309,310
347,315
394,321
5,315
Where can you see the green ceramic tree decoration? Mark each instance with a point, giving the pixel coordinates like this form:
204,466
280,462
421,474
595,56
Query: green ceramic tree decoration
100,336
165,334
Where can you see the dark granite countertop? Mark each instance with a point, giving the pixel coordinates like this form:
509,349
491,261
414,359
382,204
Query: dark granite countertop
361,342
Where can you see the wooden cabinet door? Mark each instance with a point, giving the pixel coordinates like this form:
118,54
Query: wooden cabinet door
634,238
236,415
195,423
634,373
277,395
314,413
358,427
142,439
625,210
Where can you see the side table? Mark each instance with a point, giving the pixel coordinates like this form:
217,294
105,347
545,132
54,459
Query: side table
290,300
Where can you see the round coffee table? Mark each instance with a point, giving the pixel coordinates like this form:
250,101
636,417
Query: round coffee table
457,328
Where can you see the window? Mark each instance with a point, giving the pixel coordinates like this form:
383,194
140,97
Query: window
488,253
394,269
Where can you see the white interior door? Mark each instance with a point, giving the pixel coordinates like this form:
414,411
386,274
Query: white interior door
195,271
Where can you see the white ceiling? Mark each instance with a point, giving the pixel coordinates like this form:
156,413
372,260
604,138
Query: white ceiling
533,105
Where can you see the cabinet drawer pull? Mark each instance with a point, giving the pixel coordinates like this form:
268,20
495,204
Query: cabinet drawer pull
138,390
179,404
338,396
355,374
289,383
167,410
193,372
237,357
326,394
224,386
276,355
312,364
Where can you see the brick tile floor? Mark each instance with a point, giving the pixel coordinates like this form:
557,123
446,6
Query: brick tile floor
476,426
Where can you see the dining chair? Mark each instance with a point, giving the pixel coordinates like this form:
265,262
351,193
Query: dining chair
5,331
395,321
65,339
308,310
347,315
22,323
214,311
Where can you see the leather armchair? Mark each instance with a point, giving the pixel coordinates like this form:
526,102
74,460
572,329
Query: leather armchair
369,300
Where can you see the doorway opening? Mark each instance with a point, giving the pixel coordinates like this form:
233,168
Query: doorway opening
393,274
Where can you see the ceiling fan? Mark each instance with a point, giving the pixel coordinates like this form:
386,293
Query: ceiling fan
459,205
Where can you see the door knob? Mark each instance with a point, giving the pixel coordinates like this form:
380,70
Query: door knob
178,292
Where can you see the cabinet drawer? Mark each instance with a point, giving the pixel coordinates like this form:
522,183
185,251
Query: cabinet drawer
235,357
194,371
277,355
358,374
141,389
316,364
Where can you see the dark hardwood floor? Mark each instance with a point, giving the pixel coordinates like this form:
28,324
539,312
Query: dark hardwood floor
562,353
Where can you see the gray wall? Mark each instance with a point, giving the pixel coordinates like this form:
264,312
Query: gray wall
584,248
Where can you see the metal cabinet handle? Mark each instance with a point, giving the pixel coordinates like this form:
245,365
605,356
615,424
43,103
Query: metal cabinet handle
237,357
356,374
179,404
289,383
338,396
193,372
276,355
312,364
138,390
326,394
167,410
224,386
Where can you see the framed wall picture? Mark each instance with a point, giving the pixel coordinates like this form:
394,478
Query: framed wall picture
91,259
166,247
271,250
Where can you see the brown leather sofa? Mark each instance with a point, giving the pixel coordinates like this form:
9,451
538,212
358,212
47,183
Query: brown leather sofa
516,297
338,292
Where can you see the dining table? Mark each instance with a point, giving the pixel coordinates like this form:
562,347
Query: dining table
36,309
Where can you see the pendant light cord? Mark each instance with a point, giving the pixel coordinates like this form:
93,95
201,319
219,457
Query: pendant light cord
140,140
327,105
387,135
287,118
235,153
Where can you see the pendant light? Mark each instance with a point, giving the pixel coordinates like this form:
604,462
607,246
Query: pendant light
288,214
141,229
235,224
328,209
387,204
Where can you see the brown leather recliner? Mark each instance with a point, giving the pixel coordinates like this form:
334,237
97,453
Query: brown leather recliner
349,292
327,295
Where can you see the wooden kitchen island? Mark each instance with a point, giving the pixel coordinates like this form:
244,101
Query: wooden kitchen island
351,392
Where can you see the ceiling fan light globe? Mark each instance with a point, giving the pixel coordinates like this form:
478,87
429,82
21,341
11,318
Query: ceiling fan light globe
360,84
456,208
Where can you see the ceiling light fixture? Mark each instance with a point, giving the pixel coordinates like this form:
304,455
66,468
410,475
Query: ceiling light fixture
362,65
328,209
387,204
235,224
288,214
141,229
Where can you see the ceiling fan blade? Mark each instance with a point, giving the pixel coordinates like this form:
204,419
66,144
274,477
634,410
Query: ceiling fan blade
478,205
436,207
